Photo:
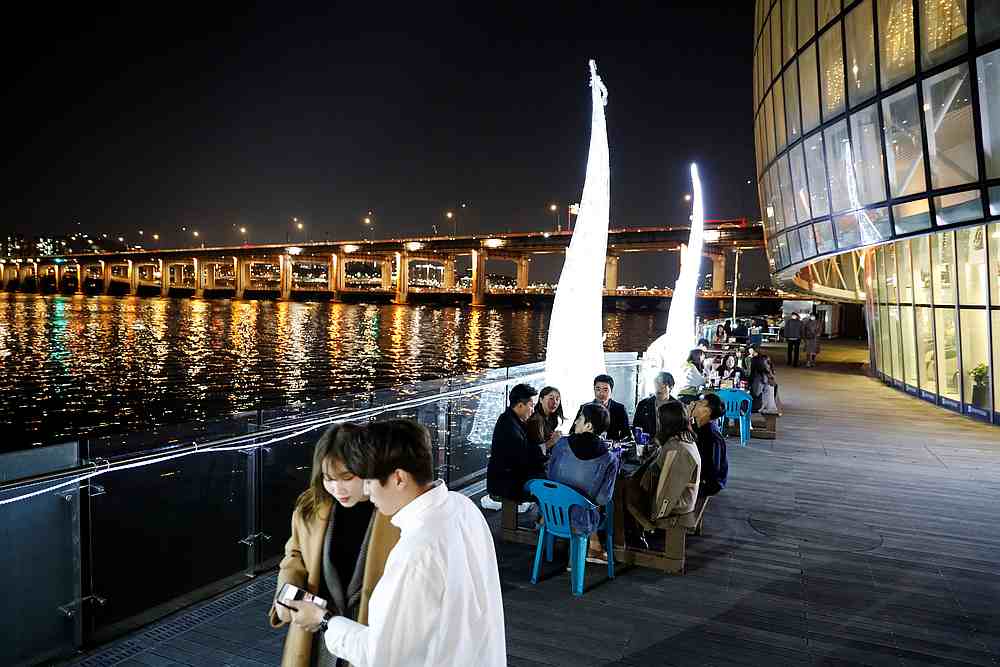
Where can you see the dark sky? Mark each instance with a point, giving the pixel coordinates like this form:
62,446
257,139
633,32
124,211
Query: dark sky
157,116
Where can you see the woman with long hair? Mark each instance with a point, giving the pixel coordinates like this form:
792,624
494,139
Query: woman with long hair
762,386
691,378
731,369
542,426
337,551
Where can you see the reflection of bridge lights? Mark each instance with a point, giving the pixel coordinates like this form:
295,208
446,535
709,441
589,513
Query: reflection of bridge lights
494,243
350,248
294,250
414,245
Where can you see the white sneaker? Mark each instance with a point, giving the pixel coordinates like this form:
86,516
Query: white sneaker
524,507
488,503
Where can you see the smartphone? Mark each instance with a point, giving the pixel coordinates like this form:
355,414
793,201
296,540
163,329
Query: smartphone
292,592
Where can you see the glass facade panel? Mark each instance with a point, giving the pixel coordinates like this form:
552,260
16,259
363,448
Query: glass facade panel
809,88
860,53
831,62
780,138
895,343
866,149
989,107
943,32
769,127
800,189
975,358
794,246
921,253
808,241
785,183
903,273
994,246
806,20
970,242
912,216
848,230
816,170
947,353
765,52
891,282
827,10
824,237
996,361
776,40
791,84
958,207
943,263
841,169
886,356
995,200
950,136
788,30
987,25
896,45
927,368
909,347
874,224
903,146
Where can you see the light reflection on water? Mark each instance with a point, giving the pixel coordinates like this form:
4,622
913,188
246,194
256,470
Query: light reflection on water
72,365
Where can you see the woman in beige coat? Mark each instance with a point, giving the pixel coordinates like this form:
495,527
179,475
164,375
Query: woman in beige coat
337,550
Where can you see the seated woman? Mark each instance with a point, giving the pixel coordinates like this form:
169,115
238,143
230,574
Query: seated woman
731,370
762,386
337,551
583,462
692,378
669,483
543,424
719,336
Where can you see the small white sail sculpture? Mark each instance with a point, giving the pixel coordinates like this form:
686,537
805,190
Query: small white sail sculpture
575,350
670,351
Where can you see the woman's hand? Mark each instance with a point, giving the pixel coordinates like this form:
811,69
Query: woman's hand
306,615
553,439
284,614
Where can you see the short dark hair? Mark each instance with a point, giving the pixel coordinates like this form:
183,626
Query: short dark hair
380,448
702,341
715,405
596,415
605,378
673,421
666,379
521,393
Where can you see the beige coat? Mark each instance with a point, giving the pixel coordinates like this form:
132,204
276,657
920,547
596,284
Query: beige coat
302,566
666,485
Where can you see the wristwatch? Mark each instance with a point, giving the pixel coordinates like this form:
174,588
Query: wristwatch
326,620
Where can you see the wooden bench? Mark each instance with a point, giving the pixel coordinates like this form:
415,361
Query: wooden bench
672,558
509,528
765,427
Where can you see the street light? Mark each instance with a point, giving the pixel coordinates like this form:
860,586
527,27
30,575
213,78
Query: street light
554,208
687,197
454,221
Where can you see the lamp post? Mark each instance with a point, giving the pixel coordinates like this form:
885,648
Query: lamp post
450,215
369,224
554,208
243,235
736,281
297,224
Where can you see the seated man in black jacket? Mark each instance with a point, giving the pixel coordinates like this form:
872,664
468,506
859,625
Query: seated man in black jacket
619,428
705,414
514,460
646,410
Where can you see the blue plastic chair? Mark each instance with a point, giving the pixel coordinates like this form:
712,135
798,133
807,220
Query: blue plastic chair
554,501
738,404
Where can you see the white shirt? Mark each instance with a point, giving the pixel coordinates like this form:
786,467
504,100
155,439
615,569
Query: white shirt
438,602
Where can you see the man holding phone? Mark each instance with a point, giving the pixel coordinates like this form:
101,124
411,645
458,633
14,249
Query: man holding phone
438,601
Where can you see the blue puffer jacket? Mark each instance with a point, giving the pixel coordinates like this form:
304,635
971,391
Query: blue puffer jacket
582,462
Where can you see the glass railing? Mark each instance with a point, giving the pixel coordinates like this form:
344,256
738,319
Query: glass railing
108,534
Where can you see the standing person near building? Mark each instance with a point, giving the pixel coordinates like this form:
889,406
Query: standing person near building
812,329
619,428
792,332
439,600
513,459
337,551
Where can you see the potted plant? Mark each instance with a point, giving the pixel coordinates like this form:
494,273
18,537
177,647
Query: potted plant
980,386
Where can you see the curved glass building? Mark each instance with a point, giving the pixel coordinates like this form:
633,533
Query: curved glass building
877,130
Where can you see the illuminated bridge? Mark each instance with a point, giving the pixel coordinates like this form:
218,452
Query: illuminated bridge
286,270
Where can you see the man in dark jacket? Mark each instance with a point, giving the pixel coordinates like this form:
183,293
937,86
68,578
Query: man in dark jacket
793,336
645,411
705,414
619,428
514,460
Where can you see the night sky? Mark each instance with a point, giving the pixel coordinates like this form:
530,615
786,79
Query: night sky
156,117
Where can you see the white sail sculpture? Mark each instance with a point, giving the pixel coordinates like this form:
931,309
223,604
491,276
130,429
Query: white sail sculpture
670,351
574,353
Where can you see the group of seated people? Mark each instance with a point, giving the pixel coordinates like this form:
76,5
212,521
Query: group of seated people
687,458
744,368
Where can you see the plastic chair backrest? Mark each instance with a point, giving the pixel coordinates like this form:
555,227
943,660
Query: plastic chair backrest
737,402
554,501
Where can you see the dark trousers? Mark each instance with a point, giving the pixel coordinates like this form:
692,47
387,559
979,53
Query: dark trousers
793,351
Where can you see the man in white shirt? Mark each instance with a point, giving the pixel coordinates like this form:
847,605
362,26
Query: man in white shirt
438,601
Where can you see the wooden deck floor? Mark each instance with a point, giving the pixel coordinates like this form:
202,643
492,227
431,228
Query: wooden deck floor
868,532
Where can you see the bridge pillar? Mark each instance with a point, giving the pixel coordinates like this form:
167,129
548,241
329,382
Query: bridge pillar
332,271
241,276
402,277
478,278
611,273
105,276
719,273
385,271
285,274
133,276
164,278
523,266
448,275
199,280
79,279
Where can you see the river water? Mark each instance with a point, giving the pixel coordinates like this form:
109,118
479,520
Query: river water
75,366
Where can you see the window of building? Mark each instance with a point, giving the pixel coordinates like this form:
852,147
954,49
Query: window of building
800,188
885,347
912,216
996,360
943,32
765,51
989,106
860,53
808,241
921,254
987,30
773,211
950,136
975,357
807,20
896,45
776,41
943,263
791,83
809,88
788,29
794,247
828,9
848,230
926,354
970,242
816,171
880,275
891,278
995,200
994,244
769,126
866,149
824,237
958,207
780,138
783,250
947,353
831,62
874,224
787,199
903,146
909,347
840,166
904,273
